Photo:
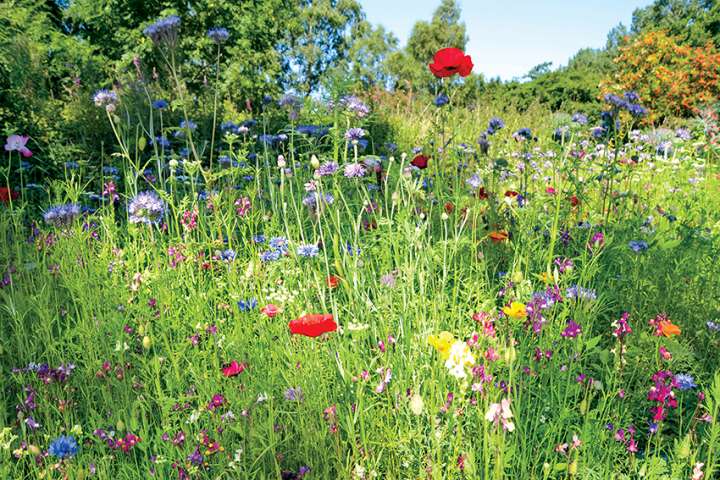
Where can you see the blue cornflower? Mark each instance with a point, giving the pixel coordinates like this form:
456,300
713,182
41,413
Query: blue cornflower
308,250
270,255
279,243
259,238
638,245
352,251
580,118
228,255
189,125
474,182
218,35
685,381
161,141
64,446
160,104
523,133
441,100
247,305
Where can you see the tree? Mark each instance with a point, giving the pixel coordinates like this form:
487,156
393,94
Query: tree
672,79
318,39
539,70
694,22
368,56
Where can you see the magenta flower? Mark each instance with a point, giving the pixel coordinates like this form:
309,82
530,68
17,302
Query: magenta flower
216,401
16,143
572,330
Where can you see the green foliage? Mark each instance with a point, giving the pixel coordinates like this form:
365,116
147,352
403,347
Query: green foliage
694,22
410,66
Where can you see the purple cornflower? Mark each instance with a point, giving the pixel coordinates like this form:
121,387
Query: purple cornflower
354,105
354,170
327,168
354,134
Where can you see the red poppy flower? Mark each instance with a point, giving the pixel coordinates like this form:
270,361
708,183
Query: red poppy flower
313,325
6,194
511,193
482,194
449,61
449,207
332,281
420,161
234,368
574,201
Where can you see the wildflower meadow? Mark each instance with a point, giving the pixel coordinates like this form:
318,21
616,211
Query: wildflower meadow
341,286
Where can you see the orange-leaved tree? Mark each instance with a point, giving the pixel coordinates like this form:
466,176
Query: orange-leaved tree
672,79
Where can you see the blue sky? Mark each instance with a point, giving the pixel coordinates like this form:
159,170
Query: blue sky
507,38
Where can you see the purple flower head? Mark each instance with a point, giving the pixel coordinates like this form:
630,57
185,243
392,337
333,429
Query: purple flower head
62,215
164,30
354,134
146,207
218,35
572,330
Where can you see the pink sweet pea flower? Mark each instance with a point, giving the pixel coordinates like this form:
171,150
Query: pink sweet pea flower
270,310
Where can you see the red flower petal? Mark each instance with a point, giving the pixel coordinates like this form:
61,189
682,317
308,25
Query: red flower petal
449,61
313,325
420,161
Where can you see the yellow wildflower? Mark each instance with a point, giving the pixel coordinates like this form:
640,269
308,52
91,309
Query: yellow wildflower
516,311
442,343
